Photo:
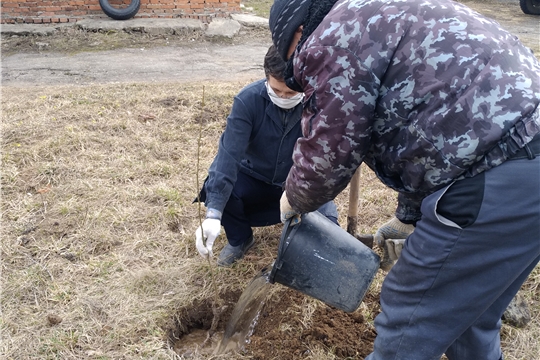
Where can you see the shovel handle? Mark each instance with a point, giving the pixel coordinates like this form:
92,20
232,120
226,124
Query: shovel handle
366,239
354,193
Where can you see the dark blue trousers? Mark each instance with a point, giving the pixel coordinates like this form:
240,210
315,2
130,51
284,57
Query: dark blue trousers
254,203
459,271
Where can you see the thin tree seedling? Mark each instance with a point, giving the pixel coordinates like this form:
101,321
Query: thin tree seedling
217,309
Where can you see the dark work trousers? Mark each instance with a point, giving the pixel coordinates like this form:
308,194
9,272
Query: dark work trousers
459,271
254,203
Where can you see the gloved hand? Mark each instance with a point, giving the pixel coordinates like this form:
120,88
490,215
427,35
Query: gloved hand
394,247
286,211
390,237
211,229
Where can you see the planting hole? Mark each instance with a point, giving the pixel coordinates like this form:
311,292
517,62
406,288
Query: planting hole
189,329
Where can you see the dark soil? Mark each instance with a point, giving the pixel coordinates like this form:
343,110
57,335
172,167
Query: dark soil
281,331
347,335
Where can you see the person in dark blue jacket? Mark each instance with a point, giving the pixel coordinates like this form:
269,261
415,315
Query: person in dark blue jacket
245,180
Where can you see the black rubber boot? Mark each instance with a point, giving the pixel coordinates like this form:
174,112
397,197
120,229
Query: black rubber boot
230,254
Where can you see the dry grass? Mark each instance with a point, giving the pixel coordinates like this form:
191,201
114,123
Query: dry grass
98,218
98,221
72,40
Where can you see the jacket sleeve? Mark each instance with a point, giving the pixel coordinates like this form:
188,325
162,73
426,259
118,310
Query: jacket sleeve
341,93
408,209
233,143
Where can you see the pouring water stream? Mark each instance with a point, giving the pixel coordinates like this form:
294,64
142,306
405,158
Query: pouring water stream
245,314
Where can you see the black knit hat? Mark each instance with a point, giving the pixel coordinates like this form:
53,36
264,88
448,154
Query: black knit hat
285,18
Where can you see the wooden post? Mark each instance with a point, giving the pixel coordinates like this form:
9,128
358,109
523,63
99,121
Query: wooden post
354,190
352,216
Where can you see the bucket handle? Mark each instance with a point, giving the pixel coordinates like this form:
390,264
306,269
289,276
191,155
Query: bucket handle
282,247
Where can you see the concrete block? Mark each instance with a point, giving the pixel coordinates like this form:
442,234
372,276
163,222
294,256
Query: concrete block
223,27
251,20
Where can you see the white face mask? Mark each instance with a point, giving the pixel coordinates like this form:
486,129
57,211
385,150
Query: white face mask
283,102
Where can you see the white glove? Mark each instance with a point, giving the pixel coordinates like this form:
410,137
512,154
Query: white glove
390,237
211,229
394,247
393,229
286,211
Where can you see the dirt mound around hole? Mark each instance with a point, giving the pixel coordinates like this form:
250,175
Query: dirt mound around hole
291,326
294,326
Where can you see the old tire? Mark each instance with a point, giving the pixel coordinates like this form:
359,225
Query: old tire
531,7
120,13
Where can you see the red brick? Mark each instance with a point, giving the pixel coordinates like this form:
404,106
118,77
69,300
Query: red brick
70,9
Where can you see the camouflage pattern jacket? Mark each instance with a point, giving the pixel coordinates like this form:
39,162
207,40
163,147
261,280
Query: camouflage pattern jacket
423,92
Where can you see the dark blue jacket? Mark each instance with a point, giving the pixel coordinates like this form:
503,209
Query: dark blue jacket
255,142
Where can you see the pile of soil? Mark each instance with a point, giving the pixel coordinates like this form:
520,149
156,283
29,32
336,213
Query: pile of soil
290,326
279,334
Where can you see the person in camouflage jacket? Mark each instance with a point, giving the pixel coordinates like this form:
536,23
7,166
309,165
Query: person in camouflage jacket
442,104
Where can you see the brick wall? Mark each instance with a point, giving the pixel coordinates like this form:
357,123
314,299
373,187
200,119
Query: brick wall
57,11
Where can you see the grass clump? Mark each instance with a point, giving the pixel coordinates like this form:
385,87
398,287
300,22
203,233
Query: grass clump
98,221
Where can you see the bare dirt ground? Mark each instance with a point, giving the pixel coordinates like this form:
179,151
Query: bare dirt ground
75,57
72,57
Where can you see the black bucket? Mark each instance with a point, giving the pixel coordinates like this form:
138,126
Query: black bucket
320,259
